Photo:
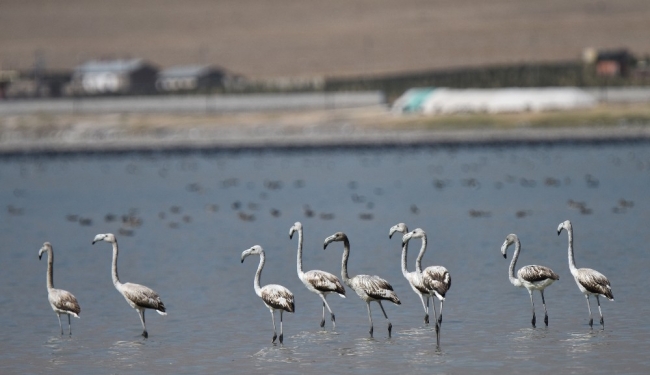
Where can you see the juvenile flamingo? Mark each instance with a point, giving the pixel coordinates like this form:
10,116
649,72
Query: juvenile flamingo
590,282
319,282
529,277
275,297
62,301
137,296
435,279
368,288
414,278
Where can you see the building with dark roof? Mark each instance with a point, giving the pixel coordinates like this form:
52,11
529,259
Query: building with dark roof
110,77
190,78
614,63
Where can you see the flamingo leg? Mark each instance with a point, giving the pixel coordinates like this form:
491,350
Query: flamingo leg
440,316
322,321
370,318
69,326
602,320
144,327
281,331
435,313
426,308
545,312
591,320
275,335
533,306
390,326
437,318
325,304
59,316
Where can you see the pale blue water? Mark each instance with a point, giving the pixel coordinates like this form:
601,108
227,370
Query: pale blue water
192,233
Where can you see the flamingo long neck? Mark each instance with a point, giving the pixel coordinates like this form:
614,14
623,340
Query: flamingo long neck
116,279
344,261
513,262
572,261
418,261
258,274
405,249
50,263
299,260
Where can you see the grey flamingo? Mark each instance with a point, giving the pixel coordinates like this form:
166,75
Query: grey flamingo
275,297
530,277
435,279
137,296
368,288
62,301
414,278
319,282
590,282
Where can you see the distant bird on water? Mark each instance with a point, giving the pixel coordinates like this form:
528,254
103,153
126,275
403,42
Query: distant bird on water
319,282
62,301
275,297
137,296
590,282
529,277
368,288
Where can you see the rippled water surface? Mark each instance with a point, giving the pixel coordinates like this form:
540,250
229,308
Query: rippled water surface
182,221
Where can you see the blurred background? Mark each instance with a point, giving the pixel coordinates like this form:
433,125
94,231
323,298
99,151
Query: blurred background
72,47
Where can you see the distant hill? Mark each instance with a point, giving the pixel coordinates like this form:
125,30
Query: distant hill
314,37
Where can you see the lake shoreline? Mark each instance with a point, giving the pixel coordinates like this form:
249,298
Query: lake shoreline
373,126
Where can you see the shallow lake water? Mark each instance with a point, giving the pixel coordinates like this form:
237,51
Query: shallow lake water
183,219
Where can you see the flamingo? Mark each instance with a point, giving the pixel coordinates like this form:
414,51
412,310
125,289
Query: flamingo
529,277
319,282
62,301
435,279
275,297
414,278
368,288
590,282
137,296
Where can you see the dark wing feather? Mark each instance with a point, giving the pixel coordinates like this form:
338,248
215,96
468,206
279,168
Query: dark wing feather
143,296
537,273
437,278
324,281
64,300
595,282
377,288
278,297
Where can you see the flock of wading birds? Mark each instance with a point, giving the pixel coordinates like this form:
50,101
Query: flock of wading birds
433,281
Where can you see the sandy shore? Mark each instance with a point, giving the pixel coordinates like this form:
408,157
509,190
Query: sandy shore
359,127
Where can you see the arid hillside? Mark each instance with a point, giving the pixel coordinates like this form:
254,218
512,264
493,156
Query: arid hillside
315,37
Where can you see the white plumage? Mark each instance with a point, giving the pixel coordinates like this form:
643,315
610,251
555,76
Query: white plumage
368,288
275,297
62,301
590,282
530,277
137,296
319,282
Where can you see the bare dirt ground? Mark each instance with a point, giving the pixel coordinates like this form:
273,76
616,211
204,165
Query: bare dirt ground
315,37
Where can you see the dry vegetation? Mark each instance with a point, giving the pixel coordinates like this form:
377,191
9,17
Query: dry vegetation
377,118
